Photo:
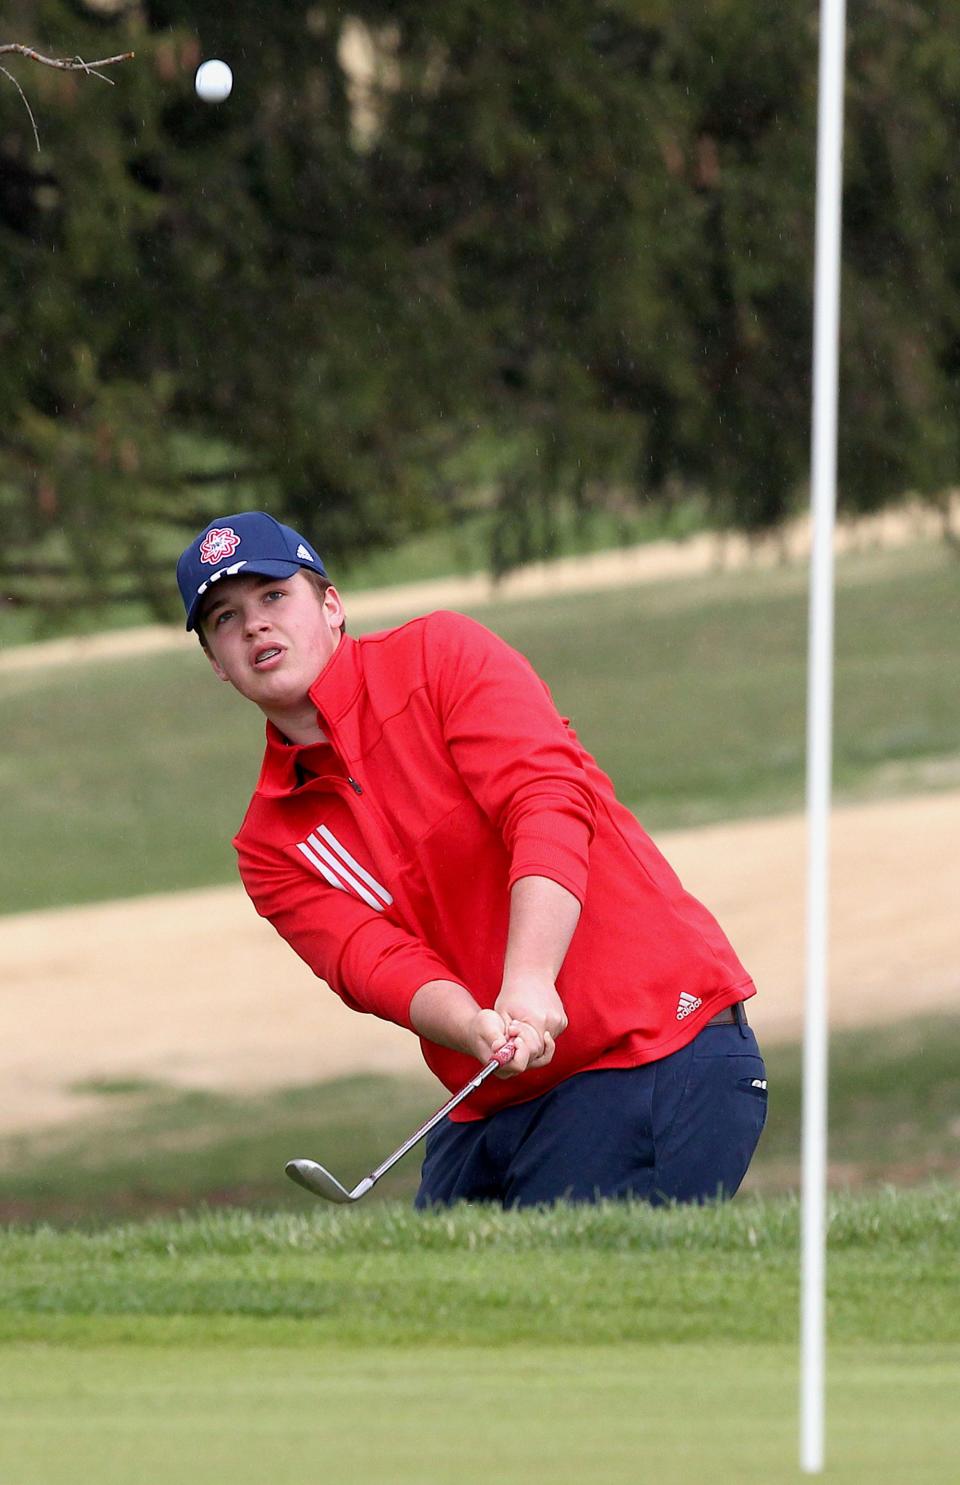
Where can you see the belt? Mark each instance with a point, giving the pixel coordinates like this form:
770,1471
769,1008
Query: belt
729,1017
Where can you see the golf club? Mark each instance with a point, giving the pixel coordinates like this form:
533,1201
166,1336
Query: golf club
313,1177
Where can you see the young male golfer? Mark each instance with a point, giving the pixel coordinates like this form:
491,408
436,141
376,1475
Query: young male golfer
430,836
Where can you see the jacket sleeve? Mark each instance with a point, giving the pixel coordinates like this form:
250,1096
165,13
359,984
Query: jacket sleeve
513,750
373,965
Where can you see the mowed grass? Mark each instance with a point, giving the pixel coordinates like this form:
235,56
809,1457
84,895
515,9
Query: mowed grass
126,777
609,1343
251,1412
894,1117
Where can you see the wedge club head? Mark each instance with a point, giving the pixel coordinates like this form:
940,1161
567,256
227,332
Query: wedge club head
319,1182
314,1178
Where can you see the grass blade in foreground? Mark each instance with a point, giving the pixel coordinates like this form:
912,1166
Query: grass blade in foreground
384,1275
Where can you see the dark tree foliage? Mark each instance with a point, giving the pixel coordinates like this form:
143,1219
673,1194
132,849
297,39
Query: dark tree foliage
429,254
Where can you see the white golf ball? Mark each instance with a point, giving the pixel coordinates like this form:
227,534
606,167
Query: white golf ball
213,81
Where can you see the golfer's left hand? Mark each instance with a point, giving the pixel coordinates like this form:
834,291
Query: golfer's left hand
534,1017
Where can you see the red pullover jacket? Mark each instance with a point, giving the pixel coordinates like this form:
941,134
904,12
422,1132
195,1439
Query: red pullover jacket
385,858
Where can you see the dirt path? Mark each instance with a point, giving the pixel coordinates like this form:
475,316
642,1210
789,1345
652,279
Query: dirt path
195,990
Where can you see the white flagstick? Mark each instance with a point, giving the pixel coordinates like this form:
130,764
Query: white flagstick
820,728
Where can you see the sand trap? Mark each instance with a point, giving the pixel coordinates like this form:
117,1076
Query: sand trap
193,989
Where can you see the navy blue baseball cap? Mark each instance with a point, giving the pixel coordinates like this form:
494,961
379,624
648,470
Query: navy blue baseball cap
249,542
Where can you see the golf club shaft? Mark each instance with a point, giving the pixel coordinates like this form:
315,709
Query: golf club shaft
434,1119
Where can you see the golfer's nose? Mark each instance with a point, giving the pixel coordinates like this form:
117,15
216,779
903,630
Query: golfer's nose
255,622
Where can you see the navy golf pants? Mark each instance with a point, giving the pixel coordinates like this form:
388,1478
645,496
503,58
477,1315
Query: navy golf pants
682,1129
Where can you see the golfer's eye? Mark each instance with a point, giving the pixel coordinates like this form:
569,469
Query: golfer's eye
225,613
275,593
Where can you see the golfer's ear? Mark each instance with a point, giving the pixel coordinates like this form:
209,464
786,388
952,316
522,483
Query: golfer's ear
215,665
333,604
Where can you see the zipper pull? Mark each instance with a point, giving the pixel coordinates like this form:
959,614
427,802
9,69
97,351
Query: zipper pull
357,788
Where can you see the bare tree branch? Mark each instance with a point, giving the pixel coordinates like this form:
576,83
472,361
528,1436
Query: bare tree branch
66,64
36,132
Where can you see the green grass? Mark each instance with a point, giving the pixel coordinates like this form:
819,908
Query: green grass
156,1150
253,1411
693,694
894,1112
126,777
481,1275
894,1105
609,1344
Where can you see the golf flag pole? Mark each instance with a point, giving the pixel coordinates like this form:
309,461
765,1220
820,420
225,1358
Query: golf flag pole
820,729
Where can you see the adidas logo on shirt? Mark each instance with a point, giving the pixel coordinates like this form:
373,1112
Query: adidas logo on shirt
687,1003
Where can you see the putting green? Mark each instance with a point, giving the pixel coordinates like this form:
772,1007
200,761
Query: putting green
289,1414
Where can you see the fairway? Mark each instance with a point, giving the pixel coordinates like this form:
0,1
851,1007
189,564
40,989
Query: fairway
609,1415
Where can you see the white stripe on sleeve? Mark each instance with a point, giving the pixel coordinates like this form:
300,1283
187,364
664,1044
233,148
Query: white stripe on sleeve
354,866
320,854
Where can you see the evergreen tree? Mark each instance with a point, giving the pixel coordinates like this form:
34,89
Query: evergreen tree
427,254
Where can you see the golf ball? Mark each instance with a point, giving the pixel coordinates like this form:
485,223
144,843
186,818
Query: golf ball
213,81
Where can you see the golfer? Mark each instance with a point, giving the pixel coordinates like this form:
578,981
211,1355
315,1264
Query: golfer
431,837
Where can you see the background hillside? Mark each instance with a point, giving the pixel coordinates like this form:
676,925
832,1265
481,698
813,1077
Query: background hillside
179,1018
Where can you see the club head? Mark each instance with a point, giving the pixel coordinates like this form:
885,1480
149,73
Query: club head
314,1178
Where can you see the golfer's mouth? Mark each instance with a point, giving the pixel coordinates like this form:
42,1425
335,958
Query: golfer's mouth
266,658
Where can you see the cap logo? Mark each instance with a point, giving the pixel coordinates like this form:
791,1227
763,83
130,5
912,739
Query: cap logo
307,556
221,542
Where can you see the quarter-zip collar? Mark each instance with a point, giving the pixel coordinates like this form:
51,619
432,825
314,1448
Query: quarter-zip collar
334,694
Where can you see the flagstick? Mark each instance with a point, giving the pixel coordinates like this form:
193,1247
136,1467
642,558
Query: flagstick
820,728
